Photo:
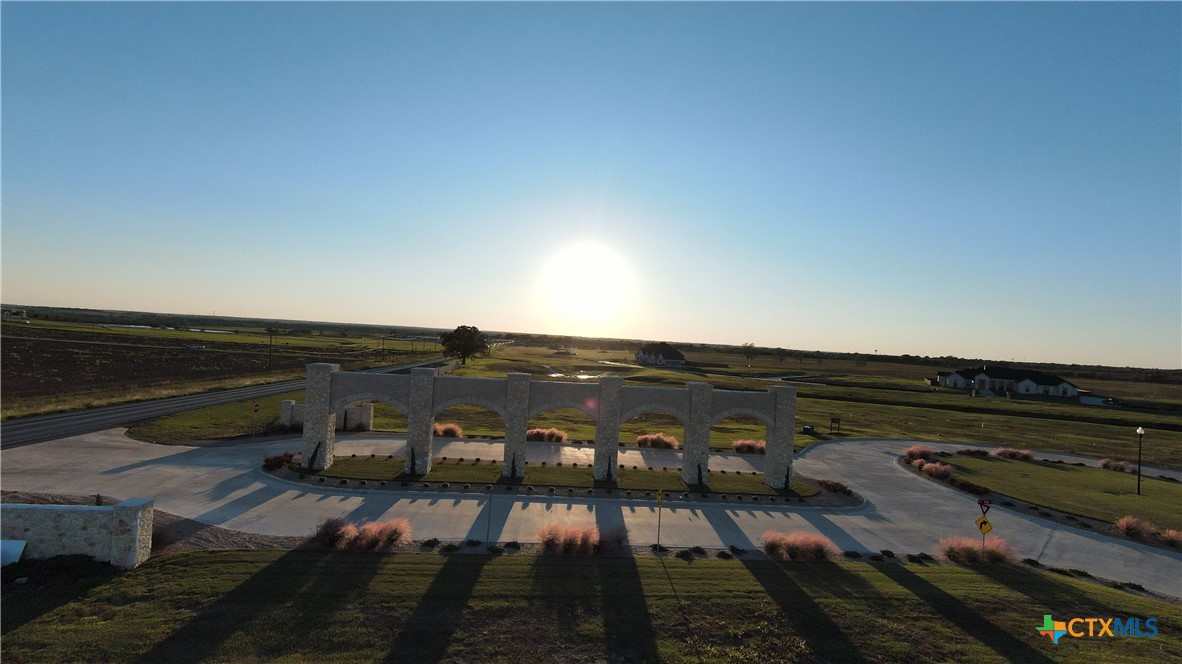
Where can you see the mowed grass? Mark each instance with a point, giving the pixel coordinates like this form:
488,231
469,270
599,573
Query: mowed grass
1101,494
471,471
232,420
411,607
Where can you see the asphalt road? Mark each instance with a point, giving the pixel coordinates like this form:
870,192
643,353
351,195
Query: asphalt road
29,430
223,486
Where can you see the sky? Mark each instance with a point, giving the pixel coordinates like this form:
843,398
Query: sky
981,180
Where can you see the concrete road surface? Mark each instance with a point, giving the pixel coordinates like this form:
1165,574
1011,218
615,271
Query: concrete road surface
223,486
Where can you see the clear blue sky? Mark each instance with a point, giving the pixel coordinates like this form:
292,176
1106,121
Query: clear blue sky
984,180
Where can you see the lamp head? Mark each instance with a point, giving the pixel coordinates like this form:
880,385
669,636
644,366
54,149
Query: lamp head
1140,431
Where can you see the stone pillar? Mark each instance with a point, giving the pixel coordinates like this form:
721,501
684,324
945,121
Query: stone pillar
516,422
285,408
319,422
419,420
607,428
695,456
777,465
366,421
131,537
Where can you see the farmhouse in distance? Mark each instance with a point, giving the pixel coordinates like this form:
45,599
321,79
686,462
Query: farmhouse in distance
1002,381
660,355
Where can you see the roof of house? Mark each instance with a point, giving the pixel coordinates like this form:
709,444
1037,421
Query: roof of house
997,372
664,350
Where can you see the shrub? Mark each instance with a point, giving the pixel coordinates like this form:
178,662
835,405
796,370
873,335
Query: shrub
327,533
1011,453
750,446
1172,538
919,452
550,435
887,553
450,547
968,551
1134,528
569,539
802,546
937,470
851,554
658,441
431,543
382,534
725,555
447,430
973,452
975,489
277,461
697,550
1113,464
918,464
685,554
834,486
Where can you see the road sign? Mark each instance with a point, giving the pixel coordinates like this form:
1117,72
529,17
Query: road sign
984,526
256,405
660,498
984,505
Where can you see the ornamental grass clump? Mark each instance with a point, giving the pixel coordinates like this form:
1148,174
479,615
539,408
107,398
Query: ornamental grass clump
919,452
336,533
1114,464
798,546
658,441
835,486
970,551
1011,453
277,461
550,435
447,430
569,540
750,446
937,470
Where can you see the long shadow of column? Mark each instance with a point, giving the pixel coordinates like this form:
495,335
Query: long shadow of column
428,630
955,611
627,625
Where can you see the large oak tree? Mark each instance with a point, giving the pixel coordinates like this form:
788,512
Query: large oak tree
463,342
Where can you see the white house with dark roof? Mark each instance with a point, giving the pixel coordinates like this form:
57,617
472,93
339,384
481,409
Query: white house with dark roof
660,355
998,380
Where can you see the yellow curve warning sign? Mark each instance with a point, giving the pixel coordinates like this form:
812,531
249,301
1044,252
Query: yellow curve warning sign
984,526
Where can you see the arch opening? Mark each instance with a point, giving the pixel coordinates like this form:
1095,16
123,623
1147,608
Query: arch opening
737,450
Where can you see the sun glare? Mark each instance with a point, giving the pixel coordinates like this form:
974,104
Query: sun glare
588,286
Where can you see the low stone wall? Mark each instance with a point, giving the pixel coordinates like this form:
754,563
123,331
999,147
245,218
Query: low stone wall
119,534
352,418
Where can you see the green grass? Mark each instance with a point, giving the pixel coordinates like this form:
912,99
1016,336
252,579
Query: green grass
366,607
469,471
1101,494
232,420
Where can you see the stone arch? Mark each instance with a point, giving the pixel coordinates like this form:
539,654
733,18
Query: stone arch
468,401
577,405
656,408
368,396
731,412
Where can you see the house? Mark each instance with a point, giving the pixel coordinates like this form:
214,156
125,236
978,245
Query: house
660,355
999,381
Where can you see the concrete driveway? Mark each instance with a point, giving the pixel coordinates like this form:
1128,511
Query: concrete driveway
223,486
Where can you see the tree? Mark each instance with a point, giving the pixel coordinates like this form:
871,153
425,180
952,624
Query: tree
749,352
464,342
781,354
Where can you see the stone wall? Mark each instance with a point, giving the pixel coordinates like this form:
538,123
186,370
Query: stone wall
351,418
119,534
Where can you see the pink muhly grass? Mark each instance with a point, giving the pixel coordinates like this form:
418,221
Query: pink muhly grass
347,536
1171,537
382,534
940,471
550,435
1134,528
919,452
969,551
327,533
750,446
658,440
447,430
1011,453
918,464
799,546
1114,464
569,540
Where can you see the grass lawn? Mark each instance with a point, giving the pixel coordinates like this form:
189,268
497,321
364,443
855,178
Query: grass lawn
469,471
229,420
1101,494
411,607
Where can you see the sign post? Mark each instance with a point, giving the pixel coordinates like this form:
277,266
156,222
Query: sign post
660,501
254,419
983,523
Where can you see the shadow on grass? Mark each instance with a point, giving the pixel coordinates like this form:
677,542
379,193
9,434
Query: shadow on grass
50,584
966,619
1045,589
318,582
428,631
628,628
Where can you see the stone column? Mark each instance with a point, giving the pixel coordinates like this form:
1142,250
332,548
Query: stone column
131,535
777,465
319,422
366,422
285,409
516,422
695,456
419,420
607,428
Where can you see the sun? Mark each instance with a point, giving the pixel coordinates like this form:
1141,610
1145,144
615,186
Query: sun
587,285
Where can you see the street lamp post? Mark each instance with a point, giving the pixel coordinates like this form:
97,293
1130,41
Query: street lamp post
1140,435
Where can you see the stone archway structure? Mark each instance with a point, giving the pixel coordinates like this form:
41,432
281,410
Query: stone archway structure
423,394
